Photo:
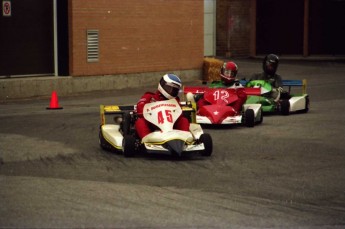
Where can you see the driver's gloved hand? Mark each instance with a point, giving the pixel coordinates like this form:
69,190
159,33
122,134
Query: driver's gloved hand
197,97
285,95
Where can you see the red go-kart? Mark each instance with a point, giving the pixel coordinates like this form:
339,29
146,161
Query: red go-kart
219,110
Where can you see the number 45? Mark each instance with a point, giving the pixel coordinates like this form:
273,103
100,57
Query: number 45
167,115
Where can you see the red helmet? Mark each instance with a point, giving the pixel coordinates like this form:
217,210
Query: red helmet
228,72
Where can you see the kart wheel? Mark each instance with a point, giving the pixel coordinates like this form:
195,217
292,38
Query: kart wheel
208,144
249,118
126,123
128,146
307,104
285,107
103,143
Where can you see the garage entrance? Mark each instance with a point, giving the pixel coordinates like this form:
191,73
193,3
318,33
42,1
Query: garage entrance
327,27
279,26
27,39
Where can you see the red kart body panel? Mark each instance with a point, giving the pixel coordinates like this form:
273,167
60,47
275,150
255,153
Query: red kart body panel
201,90
219,110
219,99
216,113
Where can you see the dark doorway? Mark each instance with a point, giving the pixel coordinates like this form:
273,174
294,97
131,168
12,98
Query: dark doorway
27,38
279,27
327,27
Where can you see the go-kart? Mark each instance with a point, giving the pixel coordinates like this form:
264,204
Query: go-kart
219,110
120,134
277,101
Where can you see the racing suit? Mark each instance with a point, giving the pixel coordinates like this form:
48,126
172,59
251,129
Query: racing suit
276,82
237,105
144,127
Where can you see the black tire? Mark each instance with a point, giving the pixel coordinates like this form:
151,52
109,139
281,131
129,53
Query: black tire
208,144
307,104
103,143
128,146
249,118
285,107
126,123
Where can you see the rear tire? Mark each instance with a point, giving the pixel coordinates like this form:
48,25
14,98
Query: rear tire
307,104
128,146
285,107
208,144
249,118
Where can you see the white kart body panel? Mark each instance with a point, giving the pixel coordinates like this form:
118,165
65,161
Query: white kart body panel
196,130
229,120
202,120
159,137
154,148
298,103
233,120
164,115
257,110
112,134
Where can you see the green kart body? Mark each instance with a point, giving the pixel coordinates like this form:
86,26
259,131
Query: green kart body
267,102
285,103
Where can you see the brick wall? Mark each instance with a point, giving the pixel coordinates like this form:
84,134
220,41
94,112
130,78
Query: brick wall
233,28
137,35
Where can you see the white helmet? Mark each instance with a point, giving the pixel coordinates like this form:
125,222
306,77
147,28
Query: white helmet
169,86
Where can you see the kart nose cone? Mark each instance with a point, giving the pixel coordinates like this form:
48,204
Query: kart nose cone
175,146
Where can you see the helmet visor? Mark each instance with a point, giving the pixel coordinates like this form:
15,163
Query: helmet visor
171,89
271,67
229,74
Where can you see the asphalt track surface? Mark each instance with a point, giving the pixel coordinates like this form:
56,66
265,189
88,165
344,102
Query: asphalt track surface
288,172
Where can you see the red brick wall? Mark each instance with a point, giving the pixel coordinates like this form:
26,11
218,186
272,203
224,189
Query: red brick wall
137,35
233,28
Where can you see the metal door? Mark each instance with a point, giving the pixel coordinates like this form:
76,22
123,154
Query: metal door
27,38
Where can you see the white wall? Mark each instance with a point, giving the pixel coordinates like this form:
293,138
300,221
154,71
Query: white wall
209,27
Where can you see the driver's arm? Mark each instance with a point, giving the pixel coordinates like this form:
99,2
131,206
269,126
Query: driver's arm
141,103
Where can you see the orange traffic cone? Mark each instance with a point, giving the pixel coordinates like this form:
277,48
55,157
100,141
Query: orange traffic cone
54,103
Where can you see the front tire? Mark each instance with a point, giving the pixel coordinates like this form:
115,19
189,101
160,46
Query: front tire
208,144
249,118
285,107
128,146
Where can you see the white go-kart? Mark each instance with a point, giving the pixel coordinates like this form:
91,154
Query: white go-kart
120,133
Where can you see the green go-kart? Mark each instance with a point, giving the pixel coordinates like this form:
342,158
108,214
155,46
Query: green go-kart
284,102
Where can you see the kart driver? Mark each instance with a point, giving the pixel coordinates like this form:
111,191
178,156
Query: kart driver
228,73
270,66
168,88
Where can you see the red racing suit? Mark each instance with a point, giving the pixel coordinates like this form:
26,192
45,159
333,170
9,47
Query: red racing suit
144,127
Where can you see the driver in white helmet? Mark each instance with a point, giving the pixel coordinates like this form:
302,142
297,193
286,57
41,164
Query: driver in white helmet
168,88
